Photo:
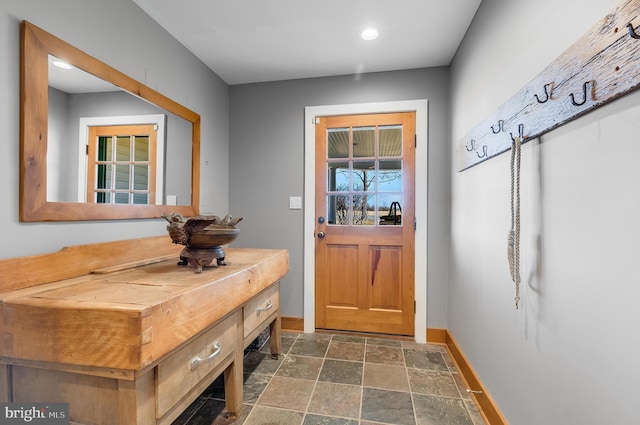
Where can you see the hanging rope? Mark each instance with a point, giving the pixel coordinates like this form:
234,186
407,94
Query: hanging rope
513,240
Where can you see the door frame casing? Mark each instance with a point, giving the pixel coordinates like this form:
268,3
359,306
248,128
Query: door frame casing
420,107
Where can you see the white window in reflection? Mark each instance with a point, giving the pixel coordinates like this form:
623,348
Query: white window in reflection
124,162
143,150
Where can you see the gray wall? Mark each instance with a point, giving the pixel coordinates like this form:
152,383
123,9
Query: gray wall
569,354
267,154
138,46
59,147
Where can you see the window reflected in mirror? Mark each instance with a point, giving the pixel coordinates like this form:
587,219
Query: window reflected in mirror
121,165
59,181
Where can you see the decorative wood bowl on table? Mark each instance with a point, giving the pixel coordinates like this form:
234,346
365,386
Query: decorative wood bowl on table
203,237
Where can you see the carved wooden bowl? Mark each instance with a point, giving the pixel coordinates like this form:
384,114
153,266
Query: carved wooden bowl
203,237
212,236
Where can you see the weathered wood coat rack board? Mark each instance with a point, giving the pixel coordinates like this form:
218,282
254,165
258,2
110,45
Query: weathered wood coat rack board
599,68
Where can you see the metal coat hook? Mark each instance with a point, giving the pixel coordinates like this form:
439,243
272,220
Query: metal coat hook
484,152
500,127
520,133
547,92
632,32
584,94
473,146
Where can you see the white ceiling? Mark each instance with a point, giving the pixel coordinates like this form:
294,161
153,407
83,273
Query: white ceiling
246,41
75,80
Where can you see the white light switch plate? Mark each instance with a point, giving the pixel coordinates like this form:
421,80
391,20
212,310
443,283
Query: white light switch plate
295,202
172,200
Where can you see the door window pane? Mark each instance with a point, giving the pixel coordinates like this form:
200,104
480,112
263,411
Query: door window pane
141,144
103,198
338,143
103,179
140,198
123,148
390,176
122,176
390,140
390,209
338,211
338,177
364,210
364,142
121,197
105,149
141,177
364,176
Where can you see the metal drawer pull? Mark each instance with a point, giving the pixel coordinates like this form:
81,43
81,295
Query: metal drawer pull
267,307
195,362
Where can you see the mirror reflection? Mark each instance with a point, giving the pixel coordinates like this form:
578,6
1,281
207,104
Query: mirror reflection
79,166
97,144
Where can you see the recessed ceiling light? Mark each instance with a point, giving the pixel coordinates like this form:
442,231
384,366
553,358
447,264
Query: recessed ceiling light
369,34
62,64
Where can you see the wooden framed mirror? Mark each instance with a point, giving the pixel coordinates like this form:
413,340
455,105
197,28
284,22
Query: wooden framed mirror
38,47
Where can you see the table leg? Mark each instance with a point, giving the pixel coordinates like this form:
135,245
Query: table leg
275,341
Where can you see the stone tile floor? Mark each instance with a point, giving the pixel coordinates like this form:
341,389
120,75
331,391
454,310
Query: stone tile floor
343,380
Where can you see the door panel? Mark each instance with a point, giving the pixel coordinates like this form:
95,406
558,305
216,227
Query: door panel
365,214
385,277
339,292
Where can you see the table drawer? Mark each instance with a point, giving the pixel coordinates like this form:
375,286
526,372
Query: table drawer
260,308
177,375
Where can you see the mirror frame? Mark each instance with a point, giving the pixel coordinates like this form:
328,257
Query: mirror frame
36,46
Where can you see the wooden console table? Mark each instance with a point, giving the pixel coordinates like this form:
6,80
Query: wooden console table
125,335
